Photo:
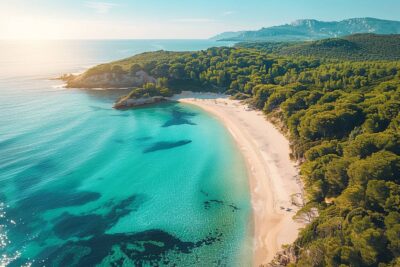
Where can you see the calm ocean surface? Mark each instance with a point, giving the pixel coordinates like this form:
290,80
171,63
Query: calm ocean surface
82,184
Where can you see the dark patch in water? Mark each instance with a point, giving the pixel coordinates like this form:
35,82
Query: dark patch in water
69,225
209,203
234,207
147,248
145,138
33,175
46,200
204,193
28,210
166,145
179,117
79,226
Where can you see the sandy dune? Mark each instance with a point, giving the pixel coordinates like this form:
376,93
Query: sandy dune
273,177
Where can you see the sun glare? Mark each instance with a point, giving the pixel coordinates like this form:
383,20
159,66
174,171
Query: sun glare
30,28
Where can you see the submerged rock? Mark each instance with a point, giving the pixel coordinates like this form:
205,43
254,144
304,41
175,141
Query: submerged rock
166,145
152,247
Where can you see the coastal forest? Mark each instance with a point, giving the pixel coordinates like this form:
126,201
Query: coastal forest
354,47
341,114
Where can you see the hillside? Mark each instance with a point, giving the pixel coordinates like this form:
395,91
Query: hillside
310,29
354,47
226,35
343,120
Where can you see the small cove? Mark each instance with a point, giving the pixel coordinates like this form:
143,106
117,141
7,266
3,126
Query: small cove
83,184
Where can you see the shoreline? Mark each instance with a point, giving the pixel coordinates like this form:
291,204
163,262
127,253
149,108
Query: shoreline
273,176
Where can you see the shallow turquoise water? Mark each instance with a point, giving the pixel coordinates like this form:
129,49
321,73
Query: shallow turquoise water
83,184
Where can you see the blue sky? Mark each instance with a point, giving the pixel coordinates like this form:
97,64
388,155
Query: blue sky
91,19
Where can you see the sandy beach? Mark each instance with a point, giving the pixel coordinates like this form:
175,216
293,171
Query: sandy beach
273,177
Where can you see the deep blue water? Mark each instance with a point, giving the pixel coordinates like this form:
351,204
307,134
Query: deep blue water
82,184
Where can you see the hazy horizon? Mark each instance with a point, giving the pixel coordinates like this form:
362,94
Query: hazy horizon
122,19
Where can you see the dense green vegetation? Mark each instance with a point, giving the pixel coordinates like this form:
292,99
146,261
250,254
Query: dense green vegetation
354,47
343,121
151,89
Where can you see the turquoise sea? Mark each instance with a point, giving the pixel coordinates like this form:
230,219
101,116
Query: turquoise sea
82,184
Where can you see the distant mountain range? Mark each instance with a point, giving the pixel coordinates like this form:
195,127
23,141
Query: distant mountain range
310,29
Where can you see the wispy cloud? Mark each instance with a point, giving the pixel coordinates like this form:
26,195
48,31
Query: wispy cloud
100,7
228,13
194,20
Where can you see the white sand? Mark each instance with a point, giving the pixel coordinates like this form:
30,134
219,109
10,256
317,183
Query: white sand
273,177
